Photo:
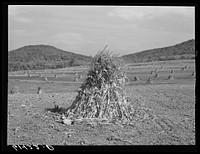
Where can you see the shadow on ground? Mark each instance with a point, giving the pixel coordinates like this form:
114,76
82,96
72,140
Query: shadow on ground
57,109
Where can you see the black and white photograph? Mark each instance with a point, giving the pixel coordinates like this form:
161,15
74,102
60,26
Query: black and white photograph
100,75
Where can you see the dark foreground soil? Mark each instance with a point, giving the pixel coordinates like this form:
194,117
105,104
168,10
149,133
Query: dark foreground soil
164,115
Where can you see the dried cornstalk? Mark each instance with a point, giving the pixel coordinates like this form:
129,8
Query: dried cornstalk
102,94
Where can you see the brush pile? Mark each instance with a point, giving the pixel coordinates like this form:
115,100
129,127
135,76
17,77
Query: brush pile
102,94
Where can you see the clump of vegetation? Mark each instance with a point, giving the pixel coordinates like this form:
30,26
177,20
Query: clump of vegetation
170,77
45,78
14,90
73,62
77,76
152,72
102,94
136,78
76,79
193,73
39,90
157,75
57,109
183,68
149,80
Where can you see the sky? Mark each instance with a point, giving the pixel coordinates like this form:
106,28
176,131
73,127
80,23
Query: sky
88,29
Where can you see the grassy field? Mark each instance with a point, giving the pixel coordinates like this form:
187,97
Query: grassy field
164,109
65,78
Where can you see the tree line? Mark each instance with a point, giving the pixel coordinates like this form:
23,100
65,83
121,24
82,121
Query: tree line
16,66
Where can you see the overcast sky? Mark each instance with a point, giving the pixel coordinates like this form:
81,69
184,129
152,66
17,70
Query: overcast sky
88,29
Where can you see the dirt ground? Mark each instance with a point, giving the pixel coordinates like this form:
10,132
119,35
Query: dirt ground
164,109
164,115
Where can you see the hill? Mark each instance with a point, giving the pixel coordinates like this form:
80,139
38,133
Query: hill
48,57
43,57
184,50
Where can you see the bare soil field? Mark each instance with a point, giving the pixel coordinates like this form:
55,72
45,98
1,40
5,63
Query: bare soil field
164,109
